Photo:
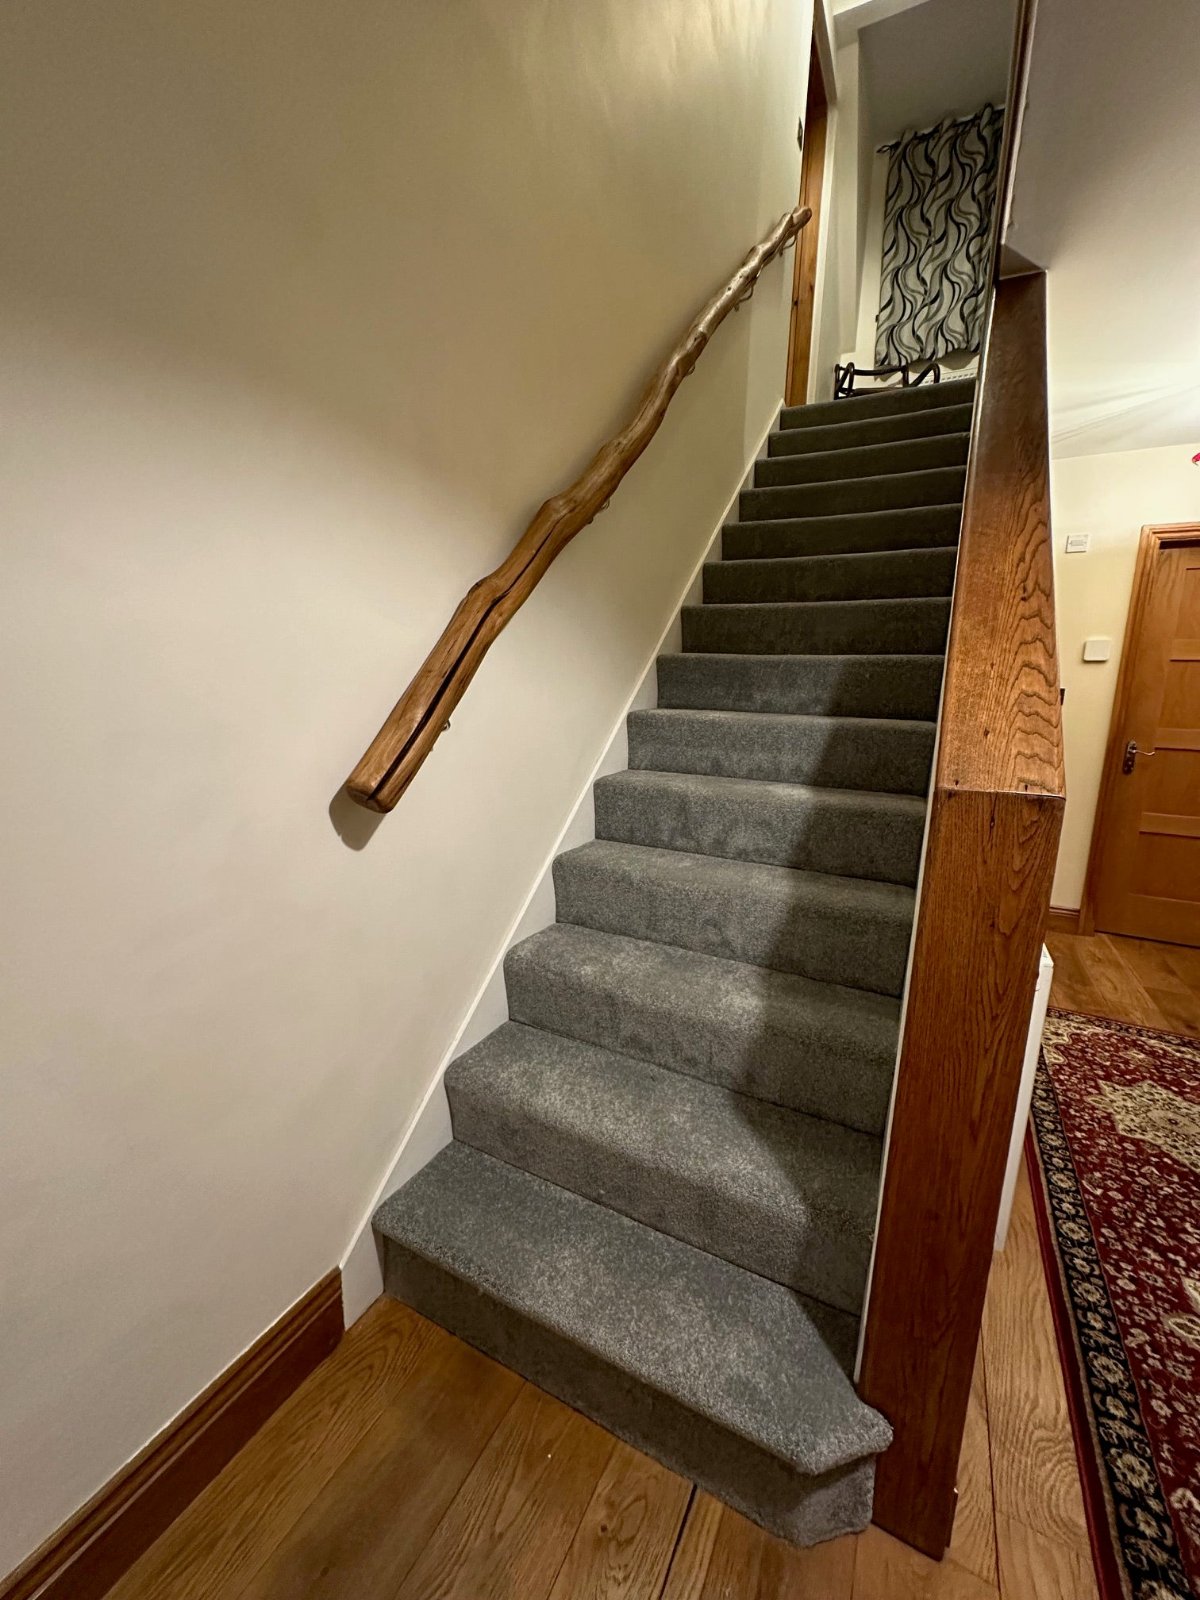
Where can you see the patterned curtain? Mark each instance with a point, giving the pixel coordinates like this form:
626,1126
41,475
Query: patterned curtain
937,222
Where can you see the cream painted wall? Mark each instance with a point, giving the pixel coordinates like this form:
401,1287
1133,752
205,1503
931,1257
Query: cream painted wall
304,312
1110,498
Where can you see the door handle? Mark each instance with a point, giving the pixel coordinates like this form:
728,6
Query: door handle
1131,754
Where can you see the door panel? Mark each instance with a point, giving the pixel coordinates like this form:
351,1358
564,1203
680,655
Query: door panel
1148,847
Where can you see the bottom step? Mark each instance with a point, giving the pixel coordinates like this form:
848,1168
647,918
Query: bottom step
723,1376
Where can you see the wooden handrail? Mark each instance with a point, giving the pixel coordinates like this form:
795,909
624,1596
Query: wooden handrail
995,814
420,715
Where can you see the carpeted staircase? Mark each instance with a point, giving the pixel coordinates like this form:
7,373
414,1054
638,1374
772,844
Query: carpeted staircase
660,1199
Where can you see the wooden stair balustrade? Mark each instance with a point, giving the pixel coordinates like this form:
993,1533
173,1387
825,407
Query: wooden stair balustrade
995,814
395,754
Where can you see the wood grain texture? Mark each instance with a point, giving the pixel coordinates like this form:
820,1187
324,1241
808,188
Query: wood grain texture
108,1535
505,1533
375,1515
623,1546
1040,1568
256,1501
1035,1478
1001,720
995,817
723,1557
973,1540
884,1567
420,715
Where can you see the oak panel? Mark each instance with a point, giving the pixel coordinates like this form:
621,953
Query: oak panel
994,822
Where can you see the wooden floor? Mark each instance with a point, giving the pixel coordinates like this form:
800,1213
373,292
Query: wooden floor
409,1466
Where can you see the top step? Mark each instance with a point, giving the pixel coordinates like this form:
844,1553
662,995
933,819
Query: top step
879,403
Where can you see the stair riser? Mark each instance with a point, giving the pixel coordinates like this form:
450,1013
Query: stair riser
893,757
884,430
909,528
872,627
818,1253
778,829
783,928
834,686
880,403
938,487
875,460
900,575
762,1041
803,1509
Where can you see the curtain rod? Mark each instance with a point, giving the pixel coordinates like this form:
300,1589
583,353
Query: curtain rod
921,133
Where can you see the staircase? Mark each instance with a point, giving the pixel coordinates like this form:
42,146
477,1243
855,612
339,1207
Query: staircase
660,1199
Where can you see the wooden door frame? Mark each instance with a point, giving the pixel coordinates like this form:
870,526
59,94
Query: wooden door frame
804,273
1155,537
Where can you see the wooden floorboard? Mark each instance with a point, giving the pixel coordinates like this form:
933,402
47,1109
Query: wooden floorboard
409,1466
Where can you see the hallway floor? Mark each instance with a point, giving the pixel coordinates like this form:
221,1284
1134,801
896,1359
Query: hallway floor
409,1465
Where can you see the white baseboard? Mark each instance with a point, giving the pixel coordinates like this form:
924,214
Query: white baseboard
429,1130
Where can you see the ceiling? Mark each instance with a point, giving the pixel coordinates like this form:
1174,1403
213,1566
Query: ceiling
934,60
1107,198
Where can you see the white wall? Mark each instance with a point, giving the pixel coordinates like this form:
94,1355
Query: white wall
1109,497
1107,199
304,313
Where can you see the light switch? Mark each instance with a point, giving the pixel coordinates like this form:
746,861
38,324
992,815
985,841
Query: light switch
1097,649
1076,543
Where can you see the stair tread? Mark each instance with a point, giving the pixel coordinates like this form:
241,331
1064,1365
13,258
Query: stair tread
786,1195
746,1353
887,755
848,435
779,916
881,401
883,687
876,802
817,1047
922,573
824,627
842,532
882,459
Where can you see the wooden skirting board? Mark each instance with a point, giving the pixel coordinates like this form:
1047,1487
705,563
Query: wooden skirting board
106,1536
1060,920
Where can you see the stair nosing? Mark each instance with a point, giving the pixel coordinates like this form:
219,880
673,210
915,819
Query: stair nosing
808,1461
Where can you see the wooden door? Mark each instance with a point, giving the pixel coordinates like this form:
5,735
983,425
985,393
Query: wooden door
1145,869
804,277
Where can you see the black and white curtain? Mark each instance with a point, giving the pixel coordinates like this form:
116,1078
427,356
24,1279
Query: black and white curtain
937,222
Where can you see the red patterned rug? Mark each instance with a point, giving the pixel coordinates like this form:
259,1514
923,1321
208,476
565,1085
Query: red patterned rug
1116,1113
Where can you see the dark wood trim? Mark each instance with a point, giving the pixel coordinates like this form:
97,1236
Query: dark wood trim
995,815
1060,920
804,275
105,1537
422,713
1153,537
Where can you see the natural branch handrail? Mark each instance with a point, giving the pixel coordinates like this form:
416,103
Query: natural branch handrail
421,713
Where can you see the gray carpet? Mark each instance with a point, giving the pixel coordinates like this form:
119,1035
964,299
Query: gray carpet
660,1198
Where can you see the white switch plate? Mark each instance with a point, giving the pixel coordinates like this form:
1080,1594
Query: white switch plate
1076,542
1097,649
